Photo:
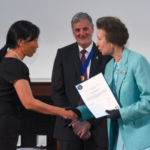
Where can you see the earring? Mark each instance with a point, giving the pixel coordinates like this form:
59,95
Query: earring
112,47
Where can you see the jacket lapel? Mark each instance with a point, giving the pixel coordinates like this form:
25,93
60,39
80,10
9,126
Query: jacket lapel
122,70
75,58
94,61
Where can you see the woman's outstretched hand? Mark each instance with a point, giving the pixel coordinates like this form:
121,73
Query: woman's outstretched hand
69,115
75,110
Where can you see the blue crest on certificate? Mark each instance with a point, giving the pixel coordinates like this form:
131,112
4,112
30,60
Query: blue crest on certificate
80,87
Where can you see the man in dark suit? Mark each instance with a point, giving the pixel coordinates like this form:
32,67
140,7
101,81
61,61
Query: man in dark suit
90,134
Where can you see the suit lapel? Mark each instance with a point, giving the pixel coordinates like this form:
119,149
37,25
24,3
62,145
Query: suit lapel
94,61
122,70
75,58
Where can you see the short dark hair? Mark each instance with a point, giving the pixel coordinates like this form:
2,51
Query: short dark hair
19,30
81,16
116,31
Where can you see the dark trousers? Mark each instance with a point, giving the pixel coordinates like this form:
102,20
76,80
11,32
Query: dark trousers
79,144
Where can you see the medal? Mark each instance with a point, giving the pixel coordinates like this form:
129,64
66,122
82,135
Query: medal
82,78
84,67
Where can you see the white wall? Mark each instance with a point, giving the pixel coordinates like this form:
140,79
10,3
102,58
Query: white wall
53,17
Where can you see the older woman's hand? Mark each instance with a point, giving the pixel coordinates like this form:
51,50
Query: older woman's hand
113,114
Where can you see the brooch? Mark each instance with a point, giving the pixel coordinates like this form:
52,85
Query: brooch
123,72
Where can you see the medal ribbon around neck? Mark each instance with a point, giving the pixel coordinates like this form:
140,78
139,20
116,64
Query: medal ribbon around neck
83,69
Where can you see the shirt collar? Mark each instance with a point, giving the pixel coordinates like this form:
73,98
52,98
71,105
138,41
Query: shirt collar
117,65
88,49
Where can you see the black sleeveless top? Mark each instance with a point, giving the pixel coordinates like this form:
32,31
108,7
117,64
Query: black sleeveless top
11,69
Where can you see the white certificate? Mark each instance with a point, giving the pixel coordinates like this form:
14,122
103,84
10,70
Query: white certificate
97,95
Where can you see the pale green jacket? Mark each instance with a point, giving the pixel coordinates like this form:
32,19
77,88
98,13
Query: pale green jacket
133,95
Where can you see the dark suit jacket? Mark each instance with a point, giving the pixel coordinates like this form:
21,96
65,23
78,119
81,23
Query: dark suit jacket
66,74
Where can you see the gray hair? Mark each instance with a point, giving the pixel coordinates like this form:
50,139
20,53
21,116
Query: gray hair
81,16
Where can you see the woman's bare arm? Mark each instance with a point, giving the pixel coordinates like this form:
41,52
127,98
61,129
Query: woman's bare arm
29,102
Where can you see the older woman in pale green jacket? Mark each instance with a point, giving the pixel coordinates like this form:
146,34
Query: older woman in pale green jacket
128,76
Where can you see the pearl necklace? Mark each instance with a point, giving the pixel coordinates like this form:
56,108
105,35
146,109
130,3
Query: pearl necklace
15,54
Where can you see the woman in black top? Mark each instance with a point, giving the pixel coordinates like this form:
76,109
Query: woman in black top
22,40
